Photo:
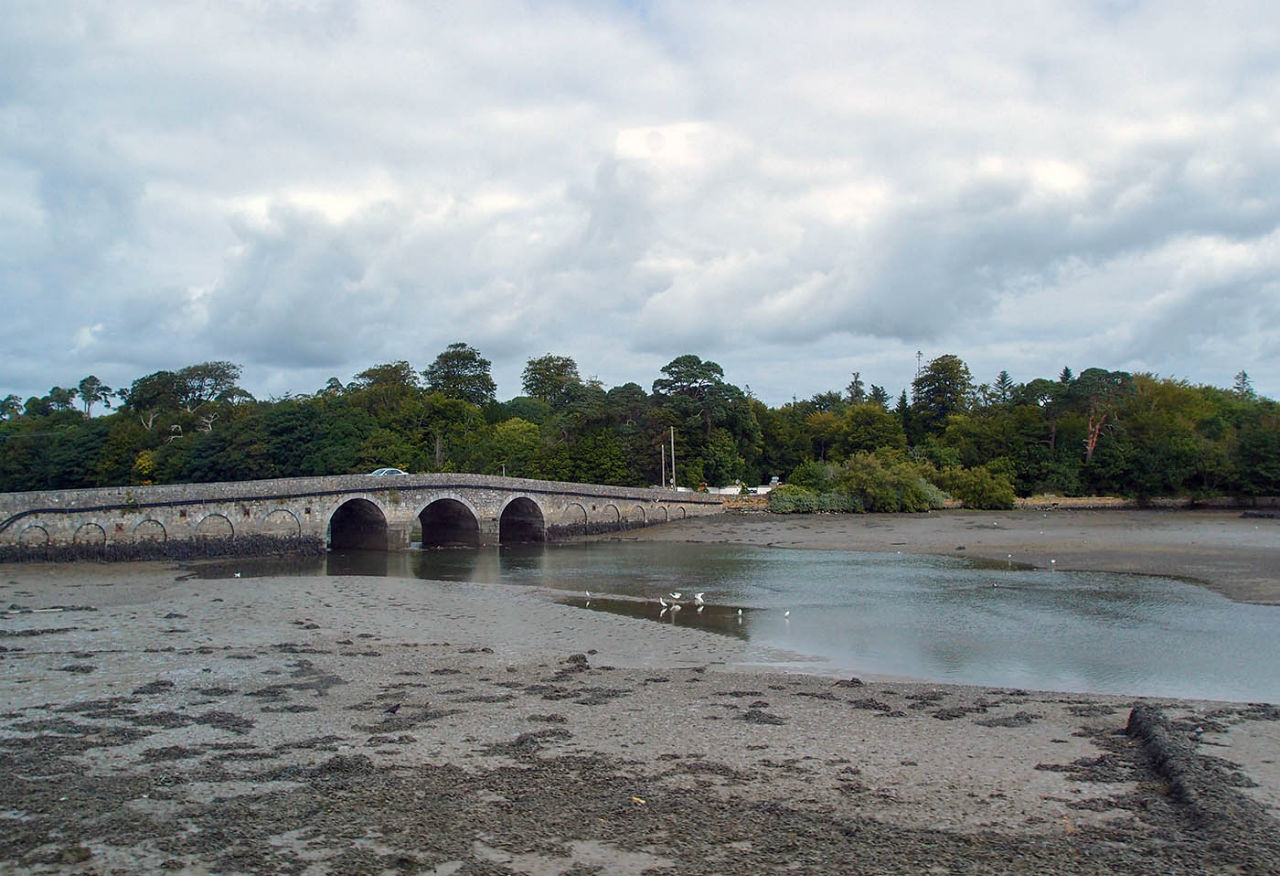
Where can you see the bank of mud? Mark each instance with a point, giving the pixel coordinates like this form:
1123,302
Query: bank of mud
157,722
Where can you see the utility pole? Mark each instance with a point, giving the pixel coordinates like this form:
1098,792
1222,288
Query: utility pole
673,457
663,447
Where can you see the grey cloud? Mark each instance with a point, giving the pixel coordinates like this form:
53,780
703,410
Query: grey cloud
795,191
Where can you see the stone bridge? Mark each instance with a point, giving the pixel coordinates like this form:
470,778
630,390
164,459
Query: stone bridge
340,512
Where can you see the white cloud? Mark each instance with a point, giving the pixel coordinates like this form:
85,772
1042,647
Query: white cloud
796,191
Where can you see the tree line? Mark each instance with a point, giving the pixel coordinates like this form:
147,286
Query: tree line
1096,433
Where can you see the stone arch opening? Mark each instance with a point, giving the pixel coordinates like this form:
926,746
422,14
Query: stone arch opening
214,527
449,523
660,514
281,523
521,522
635,516
358,524
610,514
34,536
680,514
91,534
574,514
150,530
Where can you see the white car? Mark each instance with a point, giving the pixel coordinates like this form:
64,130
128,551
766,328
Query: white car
384,472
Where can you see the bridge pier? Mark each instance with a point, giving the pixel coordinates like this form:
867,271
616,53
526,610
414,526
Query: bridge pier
490,531
399,535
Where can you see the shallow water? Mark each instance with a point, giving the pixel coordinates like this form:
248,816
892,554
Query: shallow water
933,618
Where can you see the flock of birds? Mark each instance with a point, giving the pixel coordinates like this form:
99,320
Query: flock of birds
672,604
675,605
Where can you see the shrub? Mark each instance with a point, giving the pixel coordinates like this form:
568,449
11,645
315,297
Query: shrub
794,499
978,488
891,487
817,476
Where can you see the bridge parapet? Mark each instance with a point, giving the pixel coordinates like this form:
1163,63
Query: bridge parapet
345,510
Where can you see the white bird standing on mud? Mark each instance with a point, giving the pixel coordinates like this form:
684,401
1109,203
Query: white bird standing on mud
697,599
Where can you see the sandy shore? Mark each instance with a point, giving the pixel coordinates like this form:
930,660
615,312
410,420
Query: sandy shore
153,721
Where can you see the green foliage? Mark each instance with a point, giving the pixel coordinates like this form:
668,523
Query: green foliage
887,486
460,372
817,476
1099,432
977,488
945,387
547,377
794,499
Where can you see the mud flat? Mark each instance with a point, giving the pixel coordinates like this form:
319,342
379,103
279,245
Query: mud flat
157,722
1235,555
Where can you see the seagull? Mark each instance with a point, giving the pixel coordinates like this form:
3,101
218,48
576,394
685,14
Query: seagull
697,599
786,614
237,574
675,595
664,602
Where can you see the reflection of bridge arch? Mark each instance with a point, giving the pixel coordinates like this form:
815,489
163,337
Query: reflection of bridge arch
449,522
521,521
358,524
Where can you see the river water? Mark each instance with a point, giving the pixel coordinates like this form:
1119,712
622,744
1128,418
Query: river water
929,618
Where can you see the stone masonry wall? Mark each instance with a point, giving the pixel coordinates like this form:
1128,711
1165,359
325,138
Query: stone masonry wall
300,509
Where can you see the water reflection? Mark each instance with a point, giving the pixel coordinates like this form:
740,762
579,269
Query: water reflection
937,618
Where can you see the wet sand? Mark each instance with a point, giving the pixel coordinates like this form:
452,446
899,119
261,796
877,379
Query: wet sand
154,721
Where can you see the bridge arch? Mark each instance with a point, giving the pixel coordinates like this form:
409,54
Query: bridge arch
215,526
521,521
660,514
90,534
281,523
636,515
358,524
150,530
449,522
34,536
573,514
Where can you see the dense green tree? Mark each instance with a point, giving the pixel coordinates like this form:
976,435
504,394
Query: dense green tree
547,377
944,387
855,392
461,372
868,427
150,397
93,391
207,382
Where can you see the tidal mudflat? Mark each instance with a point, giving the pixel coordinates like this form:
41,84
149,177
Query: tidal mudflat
152,720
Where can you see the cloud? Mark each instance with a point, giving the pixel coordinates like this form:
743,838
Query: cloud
796,191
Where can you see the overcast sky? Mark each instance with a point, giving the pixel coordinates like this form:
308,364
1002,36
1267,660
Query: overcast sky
795,190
